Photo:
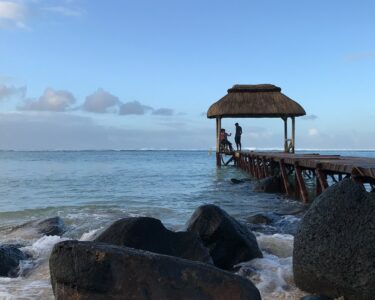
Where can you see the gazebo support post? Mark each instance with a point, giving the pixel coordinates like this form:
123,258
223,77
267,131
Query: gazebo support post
218,155
293,133
285,134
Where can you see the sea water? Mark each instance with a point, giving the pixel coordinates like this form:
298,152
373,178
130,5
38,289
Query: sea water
91,189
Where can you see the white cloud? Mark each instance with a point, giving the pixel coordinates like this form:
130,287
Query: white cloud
64,11
134,108
10,91
17,13
163,112
313,132
309,117
100,101
13,14
51,100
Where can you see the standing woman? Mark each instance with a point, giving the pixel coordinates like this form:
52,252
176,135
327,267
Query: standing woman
237,137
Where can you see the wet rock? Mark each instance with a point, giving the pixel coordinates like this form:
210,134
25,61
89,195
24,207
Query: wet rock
334,248
287,224
316,297
236,181
270,184
51,226
150,234
229,241
10,257
36,228
260,219
89,270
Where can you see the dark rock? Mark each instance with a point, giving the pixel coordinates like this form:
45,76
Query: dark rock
89,270
149,234
236,181
10,258
260,219
36,228
268,185
334,248
316,297
51,226
229,241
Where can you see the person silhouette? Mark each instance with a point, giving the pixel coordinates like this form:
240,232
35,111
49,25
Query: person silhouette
237,137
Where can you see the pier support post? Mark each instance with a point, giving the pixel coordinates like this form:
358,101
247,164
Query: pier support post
322,178
301,183
284,176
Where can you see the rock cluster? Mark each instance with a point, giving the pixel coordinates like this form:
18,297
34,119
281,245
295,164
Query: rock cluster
138,258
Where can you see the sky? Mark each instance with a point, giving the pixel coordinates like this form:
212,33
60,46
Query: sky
141,74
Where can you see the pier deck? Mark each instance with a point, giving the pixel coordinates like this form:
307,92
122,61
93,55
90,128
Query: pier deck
306,166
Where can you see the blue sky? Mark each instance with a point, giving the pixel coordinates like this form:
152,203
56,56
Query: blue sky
80,74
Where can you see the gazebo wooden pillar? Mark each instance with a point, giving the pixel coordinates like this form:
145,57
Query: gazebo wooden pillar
218,128
289,143
256,101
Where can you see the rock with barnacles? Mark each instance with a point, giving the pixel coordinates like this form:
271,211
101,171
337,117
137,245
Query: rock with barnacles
89,270
228,241
334,247
150,234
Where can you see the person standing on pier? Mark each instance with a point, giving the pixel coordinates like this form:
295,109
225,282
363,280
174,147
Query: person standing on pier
237,137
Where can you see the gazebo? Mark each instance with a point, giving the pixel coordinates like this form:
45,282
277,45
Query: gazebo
256,101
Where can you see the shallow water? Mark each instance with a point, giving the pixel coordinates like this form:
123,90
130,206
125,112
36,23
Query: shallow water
91,189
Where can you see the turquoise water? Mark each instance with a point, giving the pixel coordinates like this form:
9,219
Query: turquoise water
91,189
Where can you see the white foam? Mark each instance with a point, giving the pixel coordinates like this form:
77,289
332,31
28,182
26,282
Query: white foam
89,236
277,244
43,246
273,276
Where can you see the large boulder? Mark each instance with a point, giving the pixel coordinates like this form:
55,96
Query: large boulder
89,270
334,247
270,184
10,257
150,234
229,241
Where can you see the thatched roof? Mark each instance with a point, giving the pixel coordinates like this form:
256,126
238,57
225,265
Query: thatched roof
255,101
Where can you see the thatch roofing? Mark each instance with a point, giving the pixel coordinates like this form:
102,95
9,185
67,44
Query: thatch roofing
255,101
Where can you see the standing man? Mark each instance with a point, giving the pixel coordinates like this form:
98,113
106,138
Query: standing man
237,137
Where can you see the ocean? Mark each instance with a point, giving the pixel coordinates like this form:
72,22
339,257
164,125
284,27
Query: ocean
91,189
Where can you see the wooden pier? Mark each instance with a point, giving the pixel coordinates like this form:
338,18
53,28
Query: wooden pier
298,172
303,167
